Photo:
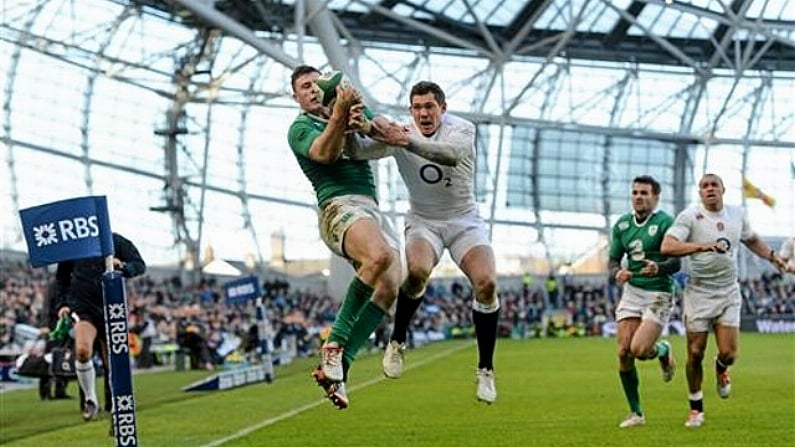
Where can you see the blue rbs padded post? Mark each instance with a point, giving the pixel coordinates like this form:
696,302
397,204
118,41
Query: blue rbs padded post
113,293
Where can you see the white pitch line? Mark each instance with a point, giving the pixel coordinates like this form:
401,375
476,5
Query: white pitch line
296,411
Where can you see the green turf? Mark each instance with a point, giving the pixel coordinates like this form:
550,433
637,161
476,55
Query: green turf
551,393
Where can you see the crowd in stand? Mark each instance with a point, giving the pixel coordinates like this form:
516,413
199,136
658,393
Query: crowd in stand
199,321
768,296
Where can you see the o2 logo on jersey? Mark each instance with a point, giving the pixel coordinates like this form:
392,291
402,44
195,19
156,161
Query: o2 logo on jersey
432,174
725,244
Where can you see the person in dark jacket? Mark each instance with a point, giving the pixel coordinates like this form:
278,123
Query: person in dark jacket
80,296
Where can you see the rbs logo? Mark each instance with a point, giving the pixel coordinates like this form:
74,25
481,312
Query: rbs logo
242,289
64,230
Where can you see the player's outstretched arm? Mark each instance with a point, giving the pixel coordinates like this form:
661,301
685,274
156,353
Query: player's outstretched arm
444,153
761,249
389,132
359,148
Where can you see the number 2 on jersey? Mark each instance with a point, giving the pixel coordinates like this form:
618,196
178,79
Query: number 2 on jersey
636,250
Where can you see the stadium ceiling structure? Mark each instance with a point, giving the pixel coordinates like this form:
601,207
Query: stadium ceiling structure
572,97
702,35
704,38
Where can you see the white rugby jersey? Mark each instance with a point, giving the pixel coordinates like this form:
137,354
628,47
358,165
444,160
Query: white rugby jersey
695,224
437,191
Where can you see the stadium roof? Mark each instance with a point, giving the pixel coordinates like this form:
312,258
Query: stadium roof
704,34
178,109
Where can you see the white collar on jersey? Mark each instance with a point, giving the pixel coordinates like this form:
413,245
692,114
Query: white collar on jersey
712,214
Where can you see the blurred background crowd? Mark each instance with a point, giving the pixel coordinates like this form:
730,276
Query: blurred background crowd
166,316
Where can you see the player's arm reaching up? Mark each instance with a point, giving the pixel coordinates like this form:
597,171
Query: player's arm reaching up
328,146
383,135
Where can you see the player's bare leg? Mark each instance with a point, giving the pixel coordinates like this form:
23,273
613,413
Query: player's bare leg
726,339
85,333
696,344
645,346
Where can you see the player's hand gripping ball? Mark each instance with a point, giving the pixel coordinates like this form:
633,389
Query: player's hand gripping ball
326,87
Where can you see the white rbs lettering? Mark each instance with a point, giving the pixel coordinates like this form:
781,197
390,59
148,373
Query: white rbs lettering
243,289
78,228
125,424
126,428
118,342
118,337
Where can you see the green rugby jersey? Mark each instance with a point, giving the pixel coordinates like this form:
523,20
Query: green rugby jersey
641,242
343,177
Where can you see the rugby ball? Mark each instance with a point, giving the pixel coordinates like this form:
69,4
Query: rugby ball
326,87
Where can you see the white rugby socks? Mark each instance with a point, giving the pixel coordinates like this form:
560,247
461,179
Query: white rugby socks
86,377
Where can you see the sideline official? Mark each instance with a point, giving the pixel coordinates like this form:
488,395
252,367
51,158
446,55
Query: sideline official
80,295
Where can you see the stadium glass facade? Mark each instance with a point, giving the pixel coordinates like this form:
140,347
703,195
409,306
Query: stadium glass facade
183,126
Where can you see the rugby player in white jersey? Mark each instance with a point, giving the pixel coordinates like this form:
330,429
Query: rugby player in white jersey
437,162
710,233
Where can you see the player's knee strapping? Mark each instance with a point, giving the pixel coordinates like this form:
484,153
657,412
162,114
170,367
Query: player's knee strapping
486,308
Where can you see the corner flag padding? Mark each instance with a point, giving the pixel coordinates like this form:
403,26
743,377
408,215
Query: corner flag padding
79,228
119,355
233,379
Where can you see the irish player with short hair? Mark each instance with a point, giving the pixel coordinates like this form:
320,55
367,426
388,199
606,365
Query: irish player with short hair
436,159
351,224
710,233
647,298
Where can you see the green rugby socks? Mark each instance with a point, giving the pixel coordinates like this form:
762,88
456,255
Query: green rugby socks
357,296
630,382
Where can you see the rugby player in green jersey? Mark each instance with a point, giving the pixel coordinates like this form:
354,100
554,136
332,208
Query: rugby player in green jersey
647,297
350,221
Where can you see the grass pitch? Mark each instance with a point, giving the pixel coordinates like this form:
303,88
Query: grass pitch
552,392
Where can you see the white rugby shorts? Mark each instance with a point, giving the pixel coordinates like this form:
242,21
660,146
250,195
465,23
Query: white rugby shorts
706,307
458,234
645,304
339,213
